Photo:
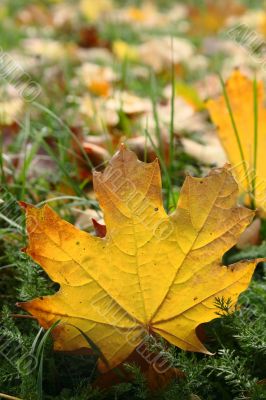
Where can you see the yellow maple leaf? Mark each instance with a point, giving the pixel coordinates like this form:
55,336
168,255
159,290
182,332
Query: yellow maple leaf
240,92
151,273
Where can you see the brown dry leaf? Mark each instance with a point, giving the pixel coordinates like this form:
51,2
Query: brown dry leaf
89,38
213,15
251,236
85,218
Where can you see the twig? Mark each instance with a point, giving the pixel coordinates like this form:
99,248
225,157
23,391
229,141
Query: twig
6,396
22,316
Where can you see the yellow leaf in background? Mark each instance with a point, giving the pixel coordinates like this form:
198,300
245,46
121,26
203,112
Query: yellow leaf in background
151,272
240,92
262,22
11,110
123,50
97,78
92,10
137,14
190,94
100,88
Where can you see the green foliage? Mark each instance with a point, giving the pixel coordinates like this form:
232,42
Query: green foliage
249,253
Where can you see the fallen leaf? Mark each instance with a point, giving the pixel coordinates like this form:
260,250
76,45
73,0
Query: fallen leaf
129,103
187,92
100,229
11,110
89,38
157,372
96,112
143,148
186,119
251,236
252,18
211,17
241,97
208,152
148,15
97,78
159,379
151,273
93,10
48,49
65,16
35,14
85,219
97,157
12,105
95,54
122,50
168,51
209,86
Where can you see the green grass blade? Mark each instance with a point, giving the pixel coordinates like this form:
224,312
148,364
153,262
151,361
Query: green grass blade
172,114
229,108
155,115
93,346
65,126
172,150
170,193
40,358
